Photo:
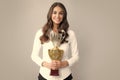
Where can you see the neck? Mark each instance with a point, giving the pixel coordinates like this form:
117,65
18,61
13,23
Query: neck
55,28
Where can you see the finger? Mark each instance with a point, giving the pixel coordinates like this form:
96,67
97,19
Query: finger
54,68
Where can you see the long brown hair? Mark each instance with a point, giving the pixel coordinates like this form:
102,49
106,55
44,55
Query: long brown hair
64,25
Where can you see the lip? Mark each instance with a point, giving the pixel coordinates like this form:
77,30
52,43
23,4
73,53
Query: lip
57,19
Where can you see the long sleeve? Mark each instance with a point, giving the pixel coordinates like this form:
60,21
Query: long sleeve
64,72
36,49
74,49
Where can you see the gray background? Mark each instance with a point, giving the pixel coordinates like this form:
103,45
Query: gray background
95,22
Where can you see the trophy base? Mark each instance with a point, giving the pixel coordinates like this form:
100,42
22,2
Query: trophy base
54,73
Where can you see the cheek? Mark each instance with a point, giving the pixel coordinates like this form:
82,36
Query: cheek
53,16
61,17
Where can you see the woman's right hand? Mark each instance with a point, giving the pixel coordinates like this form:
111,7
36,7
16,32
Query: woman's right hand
52,65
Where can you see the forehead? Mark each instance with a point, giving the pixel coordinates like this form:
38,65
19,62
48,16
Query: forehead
57,8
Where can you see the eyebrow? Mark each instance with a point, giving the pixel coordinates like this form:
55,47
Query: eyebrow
60,11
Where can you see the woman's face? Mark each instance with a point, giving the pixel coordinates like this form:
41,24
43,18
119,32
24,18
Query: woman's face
57,15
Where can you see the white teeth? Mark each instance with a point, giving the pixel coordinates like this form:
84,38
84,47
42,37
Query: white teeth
57,20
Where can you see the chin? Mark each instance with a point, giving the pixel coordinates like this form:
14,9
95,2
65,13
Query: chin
57,23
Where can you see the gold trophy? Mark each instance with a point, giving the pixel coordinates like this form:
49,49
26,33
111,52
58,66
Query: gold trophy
55,53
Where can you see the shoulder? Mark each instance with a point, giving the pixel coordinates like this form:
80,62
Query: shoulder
71,32
72,36
39,32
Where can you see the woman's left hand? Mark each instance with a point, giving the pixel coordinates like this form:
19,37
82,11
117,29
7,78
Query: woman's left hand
61,64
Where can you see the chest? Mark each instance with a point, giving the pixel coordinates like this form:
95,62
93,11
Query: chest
49,45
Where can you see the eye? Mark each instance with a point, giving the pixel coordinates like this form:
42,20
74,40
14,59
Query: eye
61,13
54,12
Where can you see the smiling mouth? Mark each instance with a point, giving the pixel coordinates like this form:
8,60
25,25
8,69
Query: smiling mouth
57,20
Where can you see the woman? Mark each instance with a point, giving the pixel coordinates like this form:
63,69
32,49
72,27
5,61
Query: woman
56,22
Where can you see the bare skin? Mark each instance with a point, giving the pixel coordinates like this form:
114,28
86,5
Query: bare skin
55,64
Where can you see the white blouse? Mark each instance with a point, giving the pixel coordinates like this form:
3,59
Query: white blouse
63,72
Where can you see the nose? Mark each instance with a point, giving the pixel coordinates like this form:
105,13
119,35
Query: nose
57,15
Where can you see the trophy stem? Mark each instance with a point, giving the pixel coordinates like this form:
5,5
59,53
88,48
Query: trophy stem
54,73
